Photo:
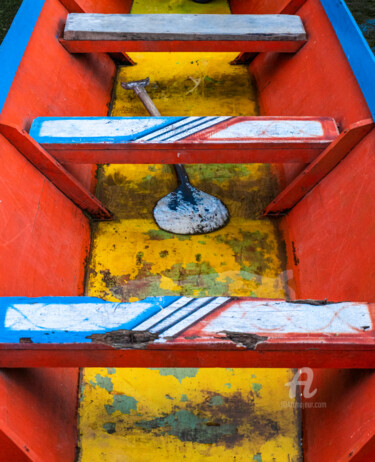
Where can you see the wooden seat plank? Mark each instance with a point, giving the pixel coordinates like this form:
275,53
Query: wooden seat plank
170,32
184,139
182,331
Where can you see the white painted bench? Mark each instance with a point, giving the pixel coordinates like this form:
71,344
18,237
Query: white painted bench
86,32
185,332
99,140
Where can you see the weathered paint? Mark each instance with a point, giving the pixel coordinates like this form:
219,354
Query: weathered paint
184,27
145,129
62,321
188,417
132,258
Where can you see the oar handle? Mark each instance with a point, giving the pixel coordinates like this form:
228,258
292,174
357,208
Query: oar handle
142,94
181,174
139,89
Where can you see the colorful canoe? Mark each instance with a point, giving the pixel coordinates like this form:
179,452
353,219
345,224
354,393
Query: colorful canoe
181,340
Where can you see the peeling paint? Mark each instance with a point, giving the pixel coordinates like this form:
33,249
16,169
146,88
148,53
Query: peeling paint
121,403
102,382
109,427
124,338
216,400
249,341
179,373
187,426
223,418
256,387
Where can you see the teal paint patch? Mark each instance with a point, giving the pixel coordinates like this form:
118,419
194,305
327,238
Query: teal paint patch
184,398
169,397
82,393
256,387
103,382
110,427
179,373
186,426
111,370
253,376
216,400
122,403
228,385
257,457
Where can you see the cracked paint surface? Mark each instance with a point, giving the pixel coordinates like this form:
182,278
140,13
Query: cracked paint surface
186,414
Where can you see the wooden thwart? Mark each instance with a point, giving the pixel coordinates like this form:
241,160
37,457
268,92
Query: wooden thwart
176,32
55,172
320,167
184,139
185,332
290,8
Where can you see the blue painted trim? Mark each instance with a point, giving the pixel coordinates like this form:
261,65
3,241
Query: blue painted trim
356,49
54,335
38,123
14,44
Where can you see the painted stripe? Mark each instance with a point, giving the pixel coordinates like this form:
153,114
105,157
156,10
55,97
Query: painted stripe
14,44
356,49
72,319
167,311
183,123
271,129
285,318
185,134
181,314
97,129
194,317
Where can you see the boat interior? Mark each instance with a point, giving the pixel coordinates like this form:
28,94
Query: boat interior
301,227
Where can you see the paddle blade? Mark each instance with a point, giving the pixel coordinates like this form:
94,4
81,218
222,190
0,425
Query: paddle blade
190,212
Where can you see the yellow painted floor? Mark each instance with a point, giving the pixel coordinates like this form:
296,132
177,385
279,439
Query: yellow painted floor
140,415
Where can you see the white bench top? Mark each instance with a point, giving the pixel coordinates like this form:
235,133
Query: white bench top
189,27
115,130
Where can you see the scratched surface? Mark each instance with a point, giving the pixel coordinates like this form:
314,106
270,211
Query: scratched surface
186,414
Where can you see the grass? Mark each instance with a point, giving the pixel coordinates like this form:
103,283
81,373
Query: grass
8,9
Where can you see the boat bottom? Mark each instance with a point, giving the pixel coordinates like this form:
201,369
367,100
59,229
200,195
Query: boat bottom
177,414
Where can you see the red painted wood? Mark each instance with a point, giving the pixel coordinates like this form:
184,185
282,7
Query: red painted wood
42,233
115,46
60,177
320,167
343,430
106,6
291,7
44,237
38,412
73,7
323,230
9,450
265,6
75,356
179,152
366,452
